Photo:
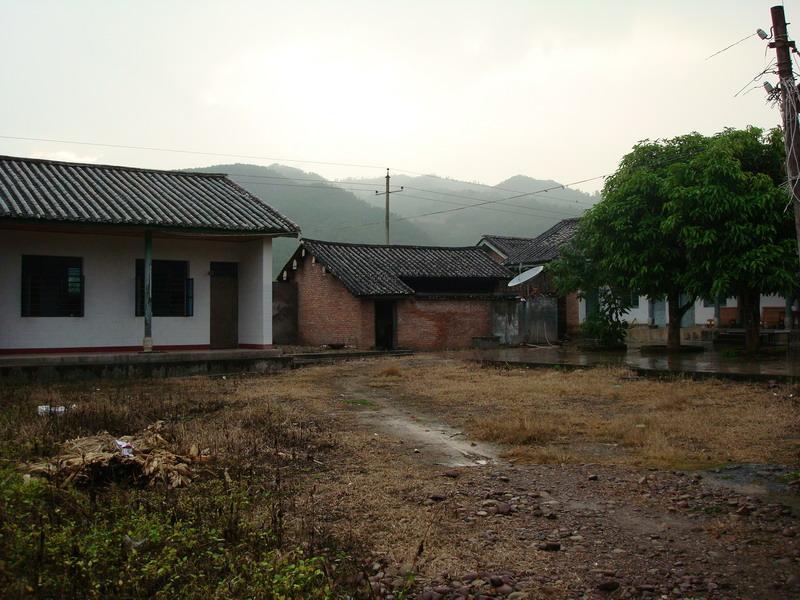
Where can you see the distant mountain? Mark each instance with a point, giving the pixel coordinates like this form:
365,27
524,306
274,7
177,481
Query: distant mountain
350,211
321,209
528,215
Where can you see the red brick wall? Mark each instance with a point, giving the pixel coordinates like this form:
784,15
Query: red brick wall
495,256
441,324
327,313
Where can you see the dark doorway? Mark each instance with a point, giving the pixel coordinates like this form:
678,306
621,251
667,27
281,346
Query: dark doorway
384,324
562,317
224,305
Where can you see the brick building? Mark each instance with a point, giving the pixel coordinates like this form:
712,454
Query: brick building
375,296
519,254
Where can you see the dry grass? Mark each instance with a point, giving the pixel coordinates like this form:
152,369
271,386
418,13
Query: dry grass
392,371
609,416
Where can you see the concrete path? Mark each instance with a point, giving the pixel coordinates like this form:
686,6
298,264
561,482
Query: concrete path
709,363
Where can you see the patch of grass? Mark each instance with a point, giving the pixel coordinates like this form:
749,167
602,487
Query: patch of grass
242,528
564,416
392,371
359,402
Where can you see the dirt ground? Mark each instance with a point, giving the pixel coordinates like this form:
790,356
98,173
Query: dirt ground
457,481
560,494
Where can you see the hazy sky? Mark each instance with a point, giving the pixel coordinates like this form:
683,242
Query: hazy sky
472,90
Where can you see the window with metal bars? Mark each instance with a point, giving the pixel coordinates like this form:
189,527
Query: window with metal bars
52,286
172,289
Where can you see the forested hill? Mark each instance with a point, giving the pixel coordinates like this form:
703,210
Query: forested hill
349,211
524,216
322,209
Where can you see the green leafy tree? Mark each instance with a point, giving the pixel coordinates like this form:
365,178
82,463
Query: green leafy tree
622,243
729,214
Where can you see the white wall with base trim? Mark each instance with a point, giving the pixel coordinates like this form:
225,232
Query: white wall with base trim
640,316
109,266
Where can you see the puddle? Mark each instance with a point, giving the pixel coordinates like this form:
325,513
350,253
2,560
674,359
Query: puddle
436,442
751,479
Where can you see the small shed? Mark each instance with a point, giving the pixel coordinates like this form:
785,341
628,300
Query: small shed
379,296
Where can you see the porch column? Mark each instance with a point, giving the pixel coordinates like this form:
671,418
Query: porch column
147,343
788,321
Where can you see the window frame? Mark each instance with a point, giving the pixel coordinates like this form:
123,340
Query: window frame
54,300
186,291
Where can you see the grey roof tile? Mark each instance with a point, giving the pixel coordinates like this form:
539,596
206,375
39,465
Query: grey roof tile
545,247
378,270
505,243
35,189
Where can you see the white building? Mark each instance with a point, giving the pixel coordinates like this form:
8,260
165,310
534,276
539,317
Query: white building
703,312
103,258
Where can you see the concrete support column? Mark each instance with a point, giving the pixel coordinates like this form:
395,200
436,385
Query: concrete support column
255,294
147,343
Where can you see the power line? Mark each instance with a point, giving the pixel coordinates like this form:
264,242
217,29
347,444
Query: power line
475,183
732,45
531,211
466,206
300,185
534,212
470,198
193,152
248,156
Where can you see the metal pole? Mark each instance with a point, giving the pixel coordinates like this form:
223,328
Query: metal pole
789,100
387,207
147,344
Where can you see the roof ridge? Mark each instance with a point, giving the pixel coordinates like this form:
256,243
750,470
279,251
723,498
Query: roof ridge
366,245
50,161
505,237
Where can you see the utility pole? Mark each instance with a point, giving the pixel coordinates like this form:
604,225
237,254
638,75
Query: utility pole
789,107
386,219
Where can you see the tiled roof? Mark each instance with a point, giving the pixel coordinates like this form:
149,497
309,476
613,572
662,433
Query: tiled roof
377,270
505,243
48,190
544,248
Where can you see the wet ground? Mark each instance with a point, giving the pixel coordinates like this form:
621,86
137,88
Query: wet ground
497,528
709,362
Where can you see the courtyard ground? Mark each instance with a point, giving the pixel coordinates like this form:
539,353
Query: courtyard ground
433,477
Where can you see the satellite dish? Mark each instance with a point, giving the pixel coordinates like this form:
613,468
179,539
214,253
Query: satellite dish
523,277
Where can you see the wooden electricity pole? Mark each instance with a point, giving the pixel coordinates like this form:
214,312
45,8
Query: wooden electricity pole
386,218
789,105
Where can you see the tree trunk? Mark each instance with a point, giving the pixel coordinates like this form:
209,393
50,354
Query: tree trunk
674,322
750,314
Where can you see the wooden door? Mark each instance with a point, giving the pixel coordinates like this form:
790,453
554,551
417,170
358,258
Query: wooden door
224,305
384,325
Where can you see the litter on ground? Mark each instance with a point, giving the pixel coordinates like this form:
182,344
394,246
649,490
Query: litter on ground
139,459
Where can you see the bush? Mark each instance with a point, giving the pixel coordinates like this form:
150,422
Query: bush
206,540
607,326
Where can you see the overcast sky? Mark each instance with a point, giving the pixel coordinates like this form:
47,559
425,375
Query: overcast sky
473,90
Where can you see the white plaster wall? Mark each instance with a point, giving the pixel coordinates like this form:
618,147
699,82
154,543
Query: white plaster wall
255,293
702,314
109,264
638,316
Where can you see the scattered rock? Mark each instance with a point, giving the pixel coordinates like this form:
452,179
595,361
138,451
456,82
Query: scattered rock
549,546
608,585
